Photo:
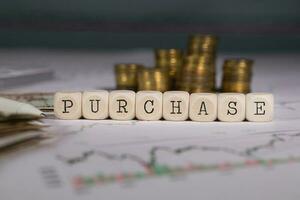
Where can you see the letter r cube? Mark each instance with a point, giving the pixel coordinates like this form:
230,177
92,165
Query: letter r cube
67,105
122,104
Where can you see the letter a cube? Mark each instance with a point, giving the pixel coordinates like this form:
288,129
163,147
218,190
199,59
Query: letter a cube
203,107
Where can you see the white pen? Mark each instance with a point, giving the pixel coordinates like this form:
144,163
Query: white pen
10,109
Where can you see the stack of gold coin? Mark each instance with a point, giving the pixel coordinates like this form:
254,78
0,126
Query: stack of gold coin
237,75
169,60
126,76
197,74
153,79
199,44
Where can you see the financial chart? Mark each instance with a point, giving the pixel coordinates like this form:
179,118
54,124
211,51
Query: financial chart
106,159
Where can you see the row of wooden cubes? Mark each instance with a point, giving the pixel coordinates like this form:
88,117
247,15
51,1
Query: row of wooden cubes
170,105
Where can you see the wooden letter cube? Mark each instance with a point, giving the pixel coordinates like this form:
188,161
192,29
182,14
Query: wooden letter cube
149,105
122,104
231,107
176,105
67,105
95,104
203,107
259,107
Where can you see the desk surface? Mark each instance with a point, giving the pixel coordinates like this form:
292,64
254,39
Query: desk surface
157,160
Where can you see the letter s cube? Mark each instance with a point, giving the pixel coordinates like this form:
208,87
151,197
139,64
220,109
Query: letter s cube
231,107
67,105
176,105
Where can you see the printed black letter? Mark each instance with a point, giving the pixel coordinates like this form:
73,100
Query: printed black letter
145,108
234,110
259,107
92,105
203,109
120,101
67,106
177,106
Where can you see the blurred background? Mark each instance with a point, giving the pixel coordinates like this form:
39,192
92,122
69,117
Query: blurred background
243,26
77,45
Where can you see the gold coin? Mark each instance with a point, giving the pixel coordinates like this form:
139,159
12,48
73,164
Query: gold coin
202,43
237,75
236,87
126,76
202,90
234,64
170,60
153,79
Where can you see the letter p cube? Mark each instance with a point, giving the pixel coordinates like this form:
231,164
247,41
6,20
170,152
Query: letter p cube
67,105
